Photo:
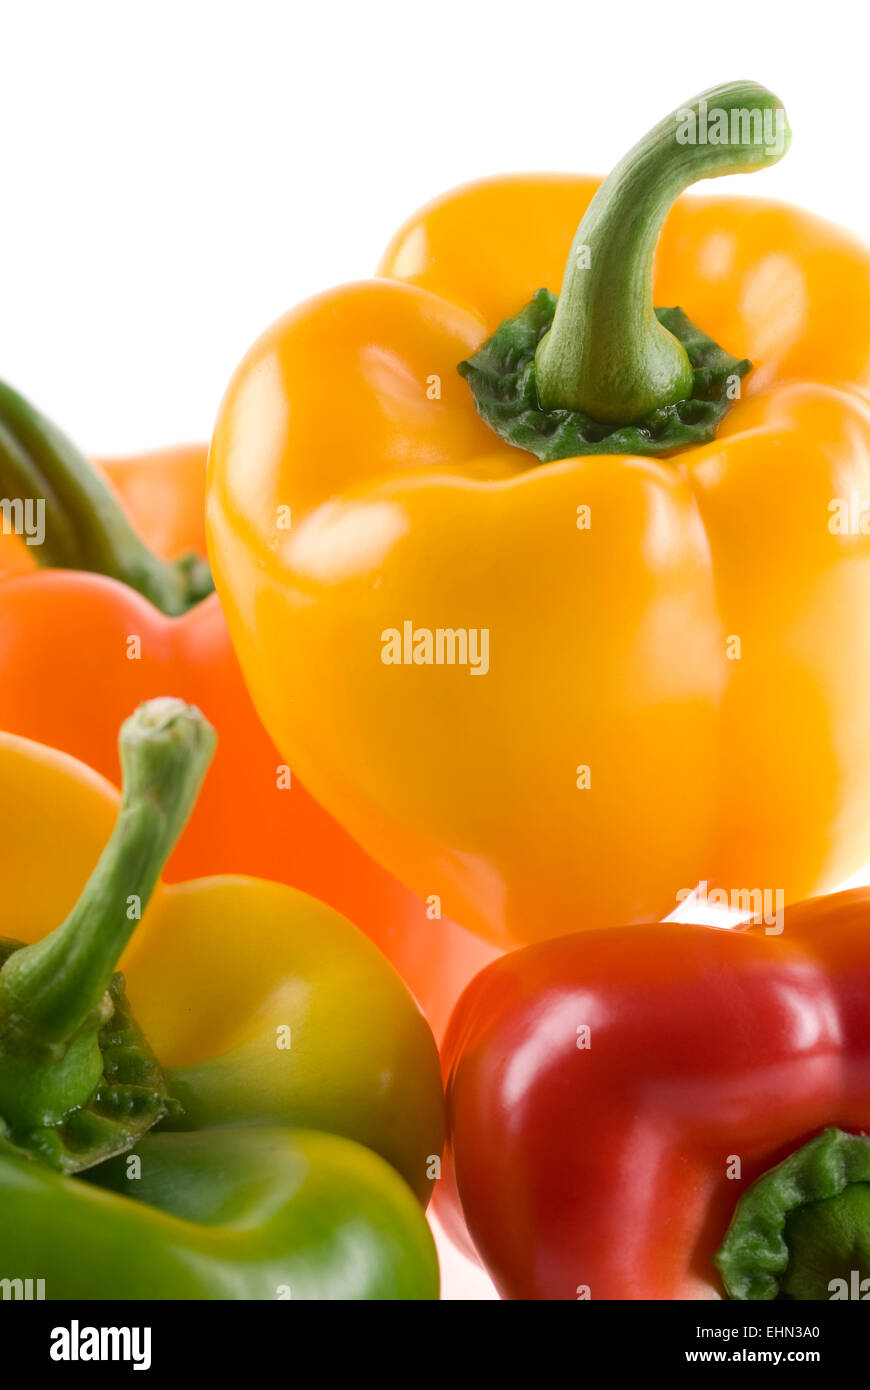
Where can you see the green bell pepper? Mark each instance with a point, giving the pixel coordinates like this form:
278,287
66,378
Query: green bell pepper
120,1178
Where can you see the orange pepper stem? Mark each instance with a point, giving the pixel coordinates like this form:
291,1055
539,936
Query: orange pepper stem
84,526
606,353
53,999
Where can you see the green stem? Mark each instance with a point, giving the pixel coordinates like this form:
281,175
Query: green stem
802,1230
606,353
830,1247
85,526
53,998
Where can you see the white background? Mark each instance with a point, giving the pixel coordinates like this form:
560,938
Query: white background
177,174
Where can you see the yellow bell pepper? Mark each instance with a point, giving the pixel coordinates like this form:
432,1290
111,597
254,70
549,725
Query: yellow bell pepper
551,694
264,1006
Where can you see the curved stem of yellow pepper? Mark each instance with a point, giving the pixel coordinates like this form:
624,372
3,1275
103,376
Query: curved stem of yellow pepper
53,999
84,527
606,353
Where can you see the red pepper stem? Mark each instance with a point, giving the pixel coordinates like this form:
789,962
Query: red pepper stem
83,525
53,998
802,1230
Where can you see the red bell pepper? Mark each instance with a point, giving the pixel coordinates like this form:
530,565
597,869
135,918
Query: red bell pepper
612,1095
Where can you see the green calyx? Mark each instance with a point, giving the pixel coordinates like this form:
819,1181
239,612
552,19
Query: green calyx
802,1230
130,1097
84,527
77,1079
502,377
601,370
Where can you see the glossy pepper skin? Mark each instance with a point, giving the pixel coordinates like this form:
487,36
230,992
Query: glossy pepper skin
218,965
601,1163
69,675
676,691
216,1202
230,1214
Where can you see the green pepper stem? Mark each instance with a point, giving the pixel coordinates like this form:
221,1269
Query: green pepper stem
802,1230
85,526
606,353
51,991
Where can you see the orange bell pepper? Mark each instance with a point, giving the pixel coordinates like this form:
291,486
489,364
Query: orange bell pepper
78,650
162,494
677,674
